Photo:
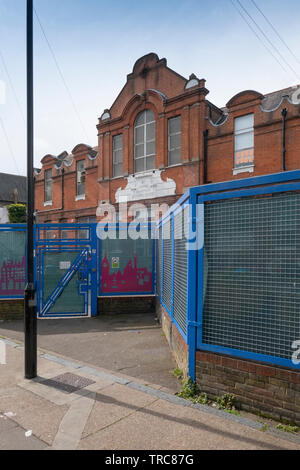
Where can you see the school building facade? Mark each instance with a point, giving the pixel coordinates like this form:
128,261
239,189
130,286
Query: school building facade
162,136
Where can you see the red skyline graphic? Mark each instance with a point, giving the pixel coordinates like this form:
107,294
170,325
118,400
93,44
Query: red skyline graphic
133,279
12,277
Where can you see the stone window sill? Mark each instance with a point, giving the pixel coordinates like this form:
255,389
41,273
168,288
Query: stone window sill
80,198
243,169
47,203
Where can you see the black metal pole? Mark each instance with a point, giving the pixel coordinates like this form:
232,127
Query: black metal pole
30,319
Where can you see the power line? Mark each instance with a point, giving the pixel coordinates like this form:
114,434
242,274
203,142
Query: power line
258,37
276,31
12,86
269,41
61,75
9,145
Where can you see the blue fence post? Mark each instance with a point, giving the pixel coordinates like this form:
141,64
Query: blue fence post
194,273
94,260
162,262
172,263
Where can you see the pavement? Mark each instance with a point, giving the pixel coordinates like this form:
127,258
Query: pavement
74,405
132,344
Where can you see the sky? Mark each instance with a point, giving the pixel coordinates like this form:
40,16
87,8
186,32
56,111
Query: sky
96,43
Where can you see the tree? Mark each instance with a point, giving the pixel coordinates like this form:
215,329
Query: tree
17,213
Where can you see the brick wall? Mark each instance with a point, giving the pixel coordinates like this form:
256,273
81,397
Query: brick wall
268,138
117,305
11,309
177,344
153,85
270,390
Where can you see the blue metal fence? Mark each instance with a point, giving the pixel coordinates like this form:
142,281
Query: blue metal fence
173,263
126,259
243,269
120,263
12,261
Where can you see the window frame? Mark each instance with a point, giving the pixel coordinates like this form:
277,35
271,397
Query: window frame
80,195
145,156
63,231
170,150
46,182
84,233
117,164
250,150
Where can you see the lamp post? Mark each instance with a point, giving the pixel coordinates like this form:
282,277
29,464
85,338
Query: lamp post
30,320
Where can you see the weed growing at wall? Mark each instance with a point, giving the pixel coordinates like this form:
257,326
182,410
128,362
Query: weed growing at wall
226,402
287,428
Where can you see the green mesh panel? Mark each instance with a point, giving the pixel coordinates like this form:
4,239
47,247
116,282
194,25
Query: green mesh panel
70,301
12,263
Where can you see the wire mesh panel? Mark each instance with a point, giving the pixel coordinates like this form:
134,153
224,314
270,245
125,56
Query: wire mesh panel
159,262
180,270
55,266
167,263
252,296
12,263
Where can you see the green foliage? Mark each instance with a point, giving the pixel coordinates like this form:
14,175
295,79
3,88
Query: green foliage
202,399
189,389
264,428
233,412
17,213
178,373
226,402
287,428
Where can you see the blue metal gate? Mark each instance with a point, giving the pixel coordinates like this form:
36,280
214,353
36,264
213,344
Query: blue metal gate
66,270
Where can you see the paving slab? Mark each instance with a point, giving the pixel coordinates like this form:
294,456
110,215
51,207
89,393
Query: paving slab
163,425
13,437
114,411
109,409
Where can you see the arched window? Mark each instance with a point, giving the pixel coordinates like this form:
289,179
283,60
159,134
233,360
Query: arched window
144,141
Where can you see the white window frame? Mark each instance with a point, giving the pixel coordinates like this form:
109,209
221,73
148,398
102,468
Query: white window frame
117,164
47,202
170,150
79,173
247,166
144,156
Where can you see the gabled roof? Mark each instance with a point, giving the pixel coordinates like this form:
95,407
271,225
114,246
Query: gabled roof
10,183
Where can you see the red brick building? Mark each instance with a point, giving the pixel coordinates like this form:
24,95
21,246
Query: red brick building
161,136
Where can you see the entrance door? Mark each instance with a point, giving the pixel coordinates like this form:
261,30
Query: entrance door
66,274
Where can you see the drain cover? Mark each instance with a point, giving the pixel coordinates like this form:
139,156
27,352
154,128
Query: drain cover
68,383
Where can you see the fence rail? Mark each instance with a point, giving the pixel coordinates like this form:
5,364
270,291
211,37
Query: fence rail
125,263
235,288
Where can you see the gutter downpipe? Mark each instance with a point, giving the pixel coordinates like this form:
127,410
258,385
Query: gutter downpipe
205,139
284,114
